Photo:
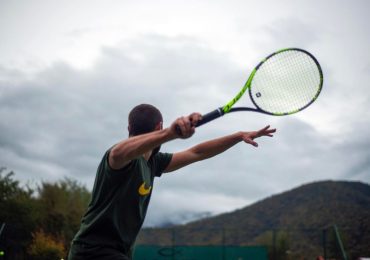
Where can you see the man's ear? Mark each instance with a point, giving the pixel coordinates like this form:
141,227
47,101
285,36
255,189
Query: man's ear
159,126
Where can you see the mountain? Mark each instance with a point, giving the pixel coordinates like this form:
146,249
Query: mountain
181,218
300,222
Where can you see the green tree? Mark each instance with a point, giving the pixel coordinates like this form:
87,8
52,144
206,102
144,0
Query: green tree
19,210
277,243
62,205
54,208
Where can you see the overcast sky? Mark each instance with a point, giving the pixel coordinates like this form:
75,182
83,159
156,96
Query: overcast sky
70,71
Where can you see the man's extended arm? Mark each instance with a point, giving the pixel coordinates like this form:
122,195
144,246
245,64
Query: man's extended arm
214,147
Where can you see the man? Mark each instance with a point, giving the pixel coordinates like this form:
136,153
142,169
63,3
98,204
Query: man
125,176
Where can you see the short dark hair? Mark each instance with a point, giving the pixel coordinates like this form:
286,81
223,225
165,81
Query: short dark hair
143,119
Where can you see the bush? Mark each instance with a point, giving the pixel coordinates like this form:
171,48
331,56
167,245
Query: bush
46,247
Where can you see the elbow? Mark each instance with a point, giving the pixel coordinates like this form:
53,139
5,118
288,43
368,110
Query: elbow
113,158
117,159
119,153
115,154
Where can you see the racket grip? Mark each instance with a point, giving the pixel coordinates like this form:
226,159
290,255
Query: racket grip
206,118
210,116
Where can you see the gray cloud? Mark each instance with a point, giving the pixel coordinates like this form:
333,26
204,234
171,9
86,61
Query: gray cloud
292,32
58,122
65,118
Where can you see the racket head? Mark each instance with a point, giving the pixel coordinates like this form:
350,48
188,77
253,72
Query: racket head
285,82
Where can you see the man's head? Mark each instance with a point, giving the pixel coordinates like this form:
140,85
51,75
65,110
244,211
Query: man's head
143,119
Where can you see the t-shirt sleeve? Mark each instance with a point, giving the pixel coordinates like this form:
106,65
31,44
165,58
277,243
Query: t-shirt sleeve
160,163
114,173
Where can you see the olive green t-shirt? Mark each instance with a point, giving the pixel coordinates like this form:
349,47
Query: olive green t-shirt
119,202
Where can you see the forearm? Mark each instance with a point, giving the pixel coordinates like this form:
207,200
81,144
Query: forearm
138,145
216,146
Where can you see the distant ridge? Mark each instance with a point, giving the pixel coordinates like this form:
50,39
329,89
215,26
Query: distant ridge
298,216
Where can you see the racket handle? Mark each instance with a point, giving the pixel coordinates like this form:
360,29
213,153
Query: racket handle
210,116
206,118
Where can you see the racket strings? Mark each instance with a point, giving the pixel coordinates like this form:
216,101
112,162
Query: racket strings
292,92
288,91
286,82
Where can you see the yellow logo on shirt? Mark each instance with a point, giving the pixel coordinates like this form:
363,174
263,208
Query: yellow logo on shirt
144,191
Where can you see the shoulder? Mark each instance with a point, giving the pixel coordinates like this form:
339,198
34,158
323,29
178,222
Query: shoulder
162,156
160,159
159,162
107,168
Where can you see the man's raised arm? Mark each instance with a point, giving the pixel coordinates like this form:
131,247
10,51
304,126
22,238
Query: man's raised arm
125,151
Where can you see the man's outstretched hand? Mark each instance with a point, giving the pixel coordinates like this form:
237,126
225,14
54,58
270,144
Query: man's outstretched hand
249,137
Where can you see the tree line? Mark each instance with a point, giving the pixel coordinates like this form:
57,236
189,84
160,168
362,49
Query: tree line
39,223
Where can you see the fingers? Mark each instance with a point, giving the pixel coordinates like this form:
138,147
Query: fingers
249,137
184,123
266,131
185,126
195,118
250,141
265,128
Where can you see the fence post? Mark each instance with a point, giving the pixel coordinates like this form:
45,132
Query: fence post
340,243
223,244
173,243
274,244
324,242
2,228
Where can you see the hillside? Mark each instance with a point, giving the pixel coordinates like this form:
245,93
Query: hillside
296,218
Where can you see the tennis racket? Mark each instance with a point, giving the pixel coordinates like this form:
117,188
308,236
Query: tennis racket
284,83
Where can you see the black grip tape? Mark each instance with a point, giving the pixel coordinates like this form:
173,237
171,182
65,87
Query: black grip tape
205,119
210,116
